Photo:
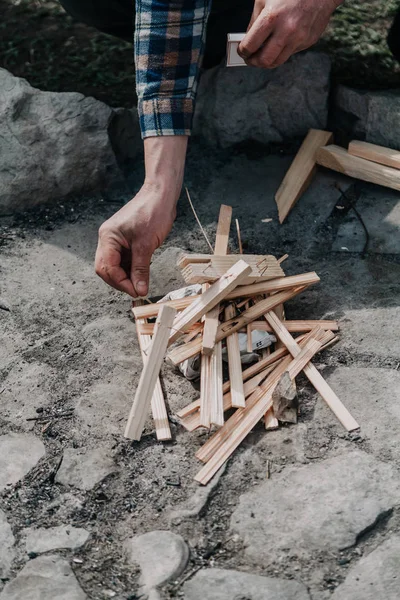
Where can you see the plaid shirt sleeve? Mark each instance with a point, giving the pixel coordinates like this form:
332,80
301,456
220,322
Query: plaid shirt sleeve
169,42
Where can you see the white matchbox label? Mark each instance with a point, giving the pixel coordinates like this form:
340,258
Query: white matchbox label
232,57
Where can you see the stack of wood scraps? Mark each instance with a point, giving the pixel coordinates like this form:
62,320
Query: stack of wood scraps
240,294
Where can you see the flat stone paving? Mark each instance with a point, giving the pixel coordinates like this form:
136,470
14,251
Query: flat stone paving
115,519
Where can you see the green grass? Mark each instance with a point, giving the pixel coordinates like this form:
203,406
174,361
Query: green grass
40,42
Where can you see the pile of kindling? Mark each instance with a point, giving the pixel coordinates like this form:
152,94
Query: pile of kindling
239,293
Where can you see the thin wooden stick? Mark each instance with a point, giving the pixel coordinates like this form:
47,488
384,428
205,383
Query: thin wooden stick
234,362
197,219
158,407
150,373
205,391
242,291
313,375
209,299
217,398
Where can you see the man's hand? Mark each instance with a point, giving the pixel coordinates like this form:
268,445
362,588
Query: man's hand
128,239
280,28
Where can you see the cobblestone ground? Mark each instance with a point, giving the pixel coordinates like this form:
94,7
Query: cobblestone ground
85,514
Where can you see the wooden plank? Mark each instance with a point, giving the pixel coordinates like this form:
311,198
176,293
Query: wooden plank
258,405
222,259
211,322
205,391
217,397
378,154
234,363
223,229
209,299
313,375
301,172
337,159
181,353
242,291
150,373
158,407
266,270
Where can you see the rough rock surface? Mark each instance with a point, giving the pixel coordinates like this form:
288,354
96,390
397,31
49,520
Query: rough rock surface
6,546
221,584
373,397
317,507
85,469
44,578
19,453
235,105
165,274
370,116
63,536
375,577
161,555
51,144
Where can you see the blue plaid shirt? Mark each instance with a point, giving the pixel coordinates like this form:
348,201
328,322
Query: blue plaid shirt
169,44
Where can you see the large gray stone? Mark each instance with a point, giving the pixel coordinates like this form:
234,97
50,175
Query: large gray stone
161,555
51,144
6,546
44,578
19,453
43,540
221,584
375,577
373,397
239,104
370,116
85,469
315,508
380,210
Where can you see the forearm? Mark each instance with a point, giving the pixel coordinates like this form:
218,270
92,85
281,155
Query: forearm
165,164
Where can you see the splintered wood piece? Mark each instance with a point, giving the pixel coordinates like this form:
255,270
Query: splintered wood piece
234,363
217,397
209,299
271,422
257,405
337,159
301,172
374,153
158,407
150,373
181,353
211,319
313,375
242,291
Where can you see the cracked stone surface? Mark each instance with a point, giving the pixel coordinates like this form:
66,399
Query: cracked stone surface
44,578
6,546
161,555
85,469
375,577
64,536
19,453
317,507
235,105
373,397
222,584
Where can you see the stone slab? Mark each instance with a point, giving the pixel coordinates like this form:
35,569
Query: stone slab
85,469
44,578
6,546
380,211
64,536
372,396
161,555
319,507
222,584
375,577
19,453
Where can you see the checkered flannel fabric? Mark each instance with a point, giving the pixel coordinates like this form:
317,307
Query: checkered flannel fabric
169,43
